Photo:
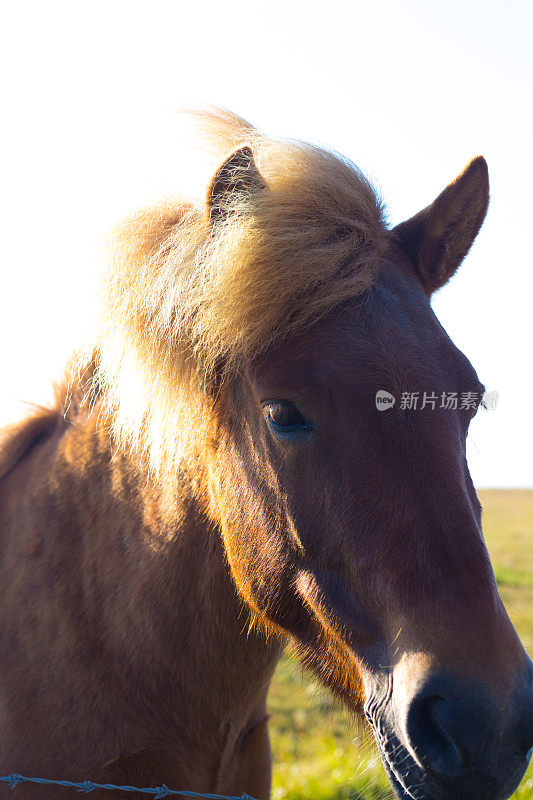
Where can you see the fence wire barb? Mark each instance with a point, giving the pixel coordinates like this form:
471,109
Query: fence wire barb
88,786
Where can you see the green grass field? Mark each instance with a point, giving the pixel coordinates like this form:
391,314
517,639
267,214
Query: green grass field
318,752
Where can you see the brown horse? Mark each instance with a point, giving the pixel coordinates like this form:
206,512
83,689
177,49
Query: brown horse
219,479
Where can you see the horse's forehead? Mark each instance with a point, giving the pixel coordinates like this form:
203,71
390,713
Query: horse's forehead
391,321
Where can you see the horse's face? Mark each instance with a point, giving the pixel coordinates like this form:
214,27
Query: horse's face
383,536
358,531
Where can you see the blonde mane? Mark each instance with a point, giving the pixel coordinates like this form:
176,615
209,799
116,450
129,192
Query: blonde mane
185,302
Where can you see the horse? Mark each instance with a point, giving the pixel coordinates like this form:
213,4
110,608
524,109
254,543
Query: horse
217,477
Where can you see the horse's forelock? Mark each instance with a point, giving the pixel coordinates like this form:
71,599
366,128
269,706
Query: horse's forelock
185,302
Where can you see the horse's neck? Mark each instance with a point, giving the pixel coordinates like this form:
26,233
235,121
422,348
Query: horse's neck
161,592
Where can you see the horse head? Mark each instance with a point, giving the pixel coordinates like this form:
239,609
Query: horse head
340,481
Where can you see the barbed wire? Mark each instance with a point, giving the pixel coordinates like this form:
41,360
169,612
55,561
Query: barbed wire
88,786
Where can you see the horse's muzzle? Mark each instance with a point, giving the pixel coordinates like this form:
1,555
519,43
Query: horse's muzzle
451,739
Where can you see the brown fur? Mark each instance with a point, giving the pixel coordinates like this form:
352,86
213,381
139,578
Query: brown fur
93,630
159,542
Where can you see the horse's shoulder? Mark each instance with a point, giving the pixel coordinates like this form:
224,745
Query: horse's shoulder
18,439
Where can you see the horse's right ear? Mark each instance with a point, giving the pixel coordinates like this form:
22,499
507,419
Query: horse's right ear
439,237
238,177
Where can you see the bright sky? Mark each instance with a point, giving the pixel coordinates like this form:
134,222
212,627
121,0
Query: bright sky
408,90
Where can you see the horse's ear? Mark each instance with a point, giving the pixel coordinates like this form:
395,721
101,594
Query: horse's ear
237,177
439,237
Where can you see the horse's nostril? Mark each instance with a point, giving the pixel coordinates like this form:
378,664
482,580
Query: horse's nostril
432,736
462,735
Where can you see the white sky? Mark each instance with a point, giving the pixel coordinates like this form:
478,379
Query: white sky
408,90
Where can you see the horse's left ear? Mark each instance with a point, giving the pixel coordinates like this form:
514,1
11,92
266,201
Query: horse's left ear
439,237
238,177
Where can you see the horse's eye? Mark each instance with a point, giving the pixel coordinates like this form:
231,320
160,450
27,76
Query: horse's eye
283,417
